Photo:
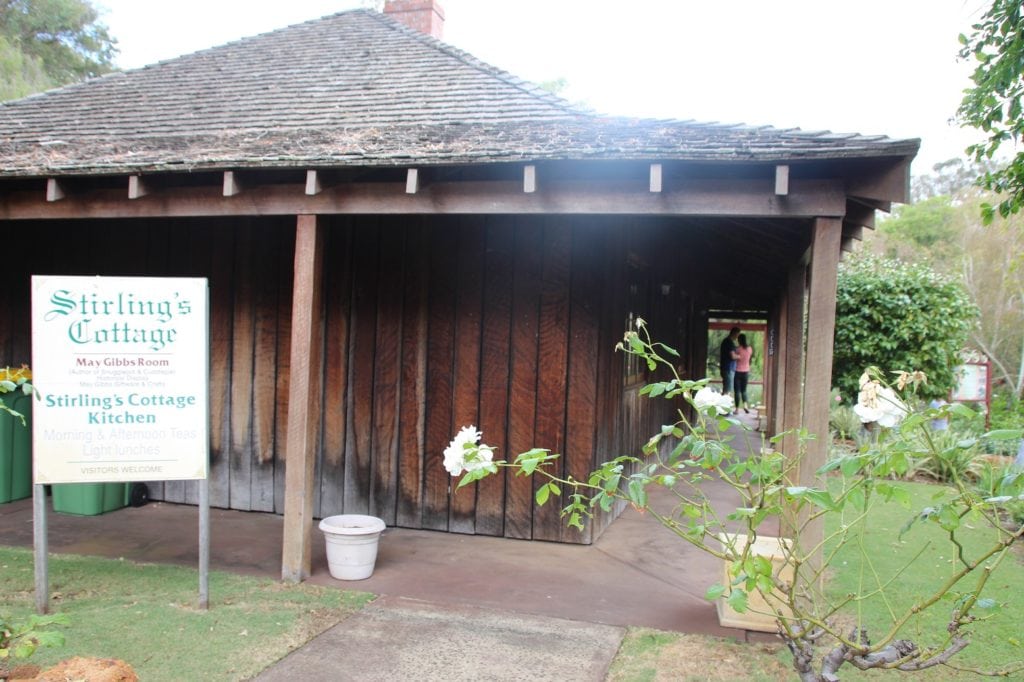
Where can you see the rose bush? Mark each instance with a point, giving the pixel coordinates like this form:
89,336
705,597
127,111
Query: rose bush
12,380
823,633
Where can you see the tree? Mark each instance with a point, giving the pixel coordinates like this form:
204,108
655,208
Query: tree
952,177
927,225
47,43
993,104
993,273
945,231
900,316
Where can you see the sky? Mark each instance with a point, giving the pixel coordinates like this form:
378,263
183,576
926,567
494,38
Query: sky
874,67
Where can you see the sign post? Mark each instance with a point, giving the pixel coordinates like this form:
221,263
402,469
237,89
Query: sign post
120,365
974,381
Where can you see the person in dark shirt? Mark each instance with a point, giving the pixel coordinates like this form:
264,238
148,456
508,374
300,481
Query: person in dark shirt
727,360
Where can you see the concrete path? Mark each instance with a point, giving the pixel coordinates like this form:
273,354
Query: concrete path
397,639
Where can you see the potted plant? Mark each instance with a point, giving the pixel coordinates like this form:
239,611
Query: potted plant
15,433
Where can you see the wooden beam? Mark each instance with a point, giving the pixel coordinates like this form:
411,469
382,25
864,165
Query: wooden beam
313,186
655,177
303,399
853,231
54,190
232,184
529,179
821,325
736,198
781,180
136,187
412,181
887,182
859,213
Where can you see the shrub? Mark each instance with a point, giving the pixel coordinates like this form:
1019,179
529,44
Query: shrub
844,423
895,314
999,481
20,639
1007,413
953,457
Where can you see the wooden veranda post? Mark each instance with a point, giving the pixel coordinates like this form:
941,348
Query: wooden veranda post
303,399
776,376
791,371
821,326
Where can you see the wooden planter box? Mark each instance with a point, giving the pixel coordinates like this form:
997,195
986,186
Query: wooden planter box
772,548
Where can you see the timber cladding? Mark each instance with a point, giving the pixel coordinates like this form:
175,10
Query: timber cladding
430,324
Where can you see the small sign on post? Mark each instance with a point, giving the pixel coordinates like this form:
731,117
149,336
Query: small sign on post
120,365
974,381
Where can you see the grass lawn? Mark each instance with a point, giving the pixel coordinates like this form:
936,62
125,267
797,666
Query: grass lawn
654,656
145,614
880,550
650,655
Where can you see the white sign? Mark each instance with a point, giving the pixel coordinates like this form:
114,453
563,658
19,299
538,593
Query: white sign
972,383
121,368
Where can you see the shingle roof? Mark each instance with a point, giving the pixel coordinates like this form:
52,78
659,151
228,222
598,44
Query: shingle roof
354,88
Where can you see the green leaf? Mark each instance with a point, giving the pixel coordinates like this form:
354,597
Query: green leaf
851,465
948,518
1005,434
738,601
831,465
49,638
987,604
894,493
856,498
477,474
24,649
714,592
637,491
541,496
819,498
762,565
667,349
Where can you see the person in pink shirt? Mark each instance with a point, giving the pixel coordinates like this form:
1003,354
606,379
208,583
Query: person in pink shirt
744,353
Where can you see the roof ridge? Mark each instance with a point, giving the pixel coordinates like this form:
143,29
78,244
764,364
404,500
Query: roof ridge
245,39
188,55
474,62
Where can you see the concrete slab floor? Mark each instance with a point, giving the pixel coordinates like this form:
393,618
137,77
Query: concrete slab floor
637,573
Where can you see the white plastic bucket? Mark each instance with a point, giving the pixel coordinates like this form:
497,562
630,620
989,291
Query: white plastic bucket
351,545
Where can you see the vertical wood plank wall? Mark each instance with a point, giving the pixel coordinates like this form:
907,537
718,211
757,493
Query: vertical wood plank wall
430,324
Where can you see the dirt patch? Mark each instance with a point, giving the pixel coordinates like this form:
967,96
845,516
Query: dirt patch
21,672
91,669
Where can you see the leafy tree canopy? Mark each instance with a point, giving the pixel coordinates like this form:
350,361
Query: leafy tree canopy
898,316
47,43
927,224
993,104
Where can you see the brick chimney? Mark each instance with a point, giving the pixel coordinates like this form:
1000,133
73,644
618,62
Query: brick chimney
425,16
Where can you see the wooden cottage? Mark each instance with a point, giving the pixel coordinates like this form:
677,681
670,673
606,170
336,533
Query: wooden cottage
402,240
